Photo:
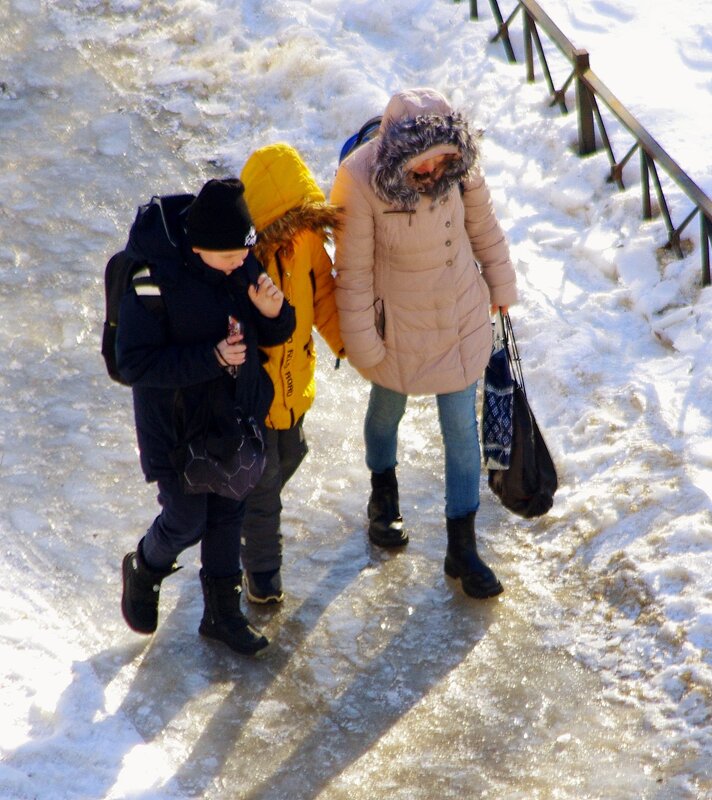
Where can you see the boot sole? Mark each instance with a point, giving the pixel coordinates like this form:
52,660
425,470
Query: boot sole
480,594
390,545
484,595
272,599
243,651
267,599
388,541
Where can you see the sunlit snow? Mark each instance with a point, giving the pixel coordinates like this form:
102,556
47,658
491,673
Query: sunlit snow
591,676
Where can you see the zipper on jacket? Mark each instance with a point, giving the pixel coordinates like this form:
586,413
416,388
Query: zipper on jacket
280,269
286,364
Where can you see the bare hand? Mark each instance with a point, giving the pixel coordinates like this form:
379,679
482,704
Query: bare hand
503,309
231,351
266,296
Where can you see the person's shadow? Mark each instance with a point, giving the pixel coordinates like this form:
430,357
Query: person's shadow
370,638
333,683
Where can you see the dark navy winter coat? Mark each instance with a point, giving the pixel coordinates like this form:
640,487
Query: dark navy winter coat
167,355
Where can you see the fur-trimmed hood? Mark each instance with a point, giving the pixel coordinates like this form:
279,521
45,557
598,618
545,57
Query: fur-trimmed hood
284,200
419,124
320,218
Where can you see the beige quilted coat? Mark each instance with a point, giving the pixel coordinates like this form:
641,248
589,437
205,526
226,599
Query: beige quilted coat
413,304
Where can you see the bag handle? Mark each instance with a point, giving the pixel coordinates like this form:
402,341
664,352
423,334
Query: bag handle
504,329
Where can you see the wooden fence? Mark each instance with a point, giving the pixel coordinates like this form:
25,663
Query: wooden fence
589,89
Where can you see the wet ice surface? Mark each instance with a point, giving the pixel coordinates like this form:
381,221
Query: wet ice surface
432,696
588,678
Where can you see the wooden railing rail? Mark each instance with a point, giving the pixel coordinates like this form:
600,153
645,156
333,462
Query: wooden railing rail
589,89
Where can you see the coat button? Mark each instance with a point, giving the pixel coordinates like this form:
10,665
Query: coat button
448,263
448,243
447,224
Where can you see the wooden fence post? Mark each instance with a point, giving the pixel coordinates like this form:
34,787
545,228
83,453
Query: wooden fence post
527,24
587,132
705,241
645,185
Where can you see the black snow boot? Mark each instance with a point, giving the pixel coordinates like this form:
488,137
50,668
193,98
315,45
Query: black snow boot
223,620
462,561
385,524
142,586
264,587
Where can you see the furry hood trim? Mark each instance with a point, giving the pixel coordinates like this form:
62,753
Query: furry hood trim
284,199
318,217
414,137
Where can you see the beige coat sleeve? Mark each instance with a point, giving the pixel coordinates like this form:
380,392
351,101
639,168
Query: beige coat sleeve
326,317
354,263
488,241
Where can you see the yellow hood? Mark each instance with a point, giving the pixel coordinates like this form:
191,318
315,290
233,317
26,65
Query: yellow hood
276,181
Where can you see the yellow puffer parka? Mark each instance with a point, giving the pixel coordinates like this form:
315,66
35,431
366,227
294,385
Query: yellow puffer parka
293,222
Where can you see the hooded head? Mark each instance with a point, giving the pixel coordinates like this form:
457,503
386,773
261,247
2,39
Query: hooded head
420,125
283,198
218,218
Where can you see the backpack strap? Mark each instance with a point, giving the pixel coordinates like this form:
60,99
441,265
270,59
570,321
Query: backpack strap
147,289
366,132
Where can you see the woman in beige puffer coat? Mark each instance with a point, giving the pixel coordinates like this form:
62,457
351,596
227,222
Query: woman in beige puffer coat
421,260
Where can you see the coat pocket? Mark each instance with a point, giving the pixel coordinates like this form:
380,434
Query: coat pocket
379,317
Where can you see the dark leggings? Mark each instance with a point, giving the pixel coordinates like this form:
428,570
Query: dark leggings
261,534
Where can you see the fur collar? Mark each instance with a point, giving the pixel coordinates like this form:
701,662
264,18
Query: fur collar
406,138
318,217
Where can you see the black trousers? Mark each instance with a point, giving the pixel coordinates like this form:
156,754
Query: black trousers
261,533
187,519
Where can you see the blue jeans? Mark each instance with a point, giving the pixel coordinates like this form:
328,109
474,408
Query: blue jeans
458,425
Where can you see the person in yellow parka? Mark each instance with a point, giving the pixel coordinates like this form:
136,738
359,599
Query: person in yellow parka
293,222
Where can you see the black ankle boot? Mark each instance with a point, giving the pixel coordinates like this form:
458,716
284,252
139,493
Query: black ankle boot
264,587
385,524
223,620
141,589
462,561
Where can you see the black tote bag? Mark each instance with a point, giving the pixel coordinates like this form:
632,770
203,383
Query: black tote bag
528,485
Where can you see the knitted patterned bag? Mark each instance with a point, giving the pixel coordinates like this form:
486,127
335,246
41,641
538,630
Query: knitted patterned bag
497,404
226,458
228,466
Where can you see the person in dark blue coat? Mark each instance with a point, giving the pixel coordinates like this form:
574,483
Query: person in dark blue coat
178,356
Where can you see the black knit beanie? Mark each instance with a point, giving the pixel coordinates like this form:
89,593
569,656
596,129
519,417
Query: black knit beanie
218,218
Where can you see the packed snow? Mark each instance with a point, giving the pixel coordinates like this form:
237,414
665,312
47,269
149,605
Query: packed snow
591,676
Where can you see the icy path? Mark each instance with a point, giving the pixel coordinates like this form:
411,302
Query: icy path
383,679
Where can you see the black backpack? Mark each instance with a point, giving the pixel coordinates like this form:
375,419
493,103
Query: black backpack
120,274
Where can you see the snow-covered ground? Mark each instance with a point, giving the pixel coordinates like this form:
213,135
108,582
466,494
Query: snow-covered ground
591,677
